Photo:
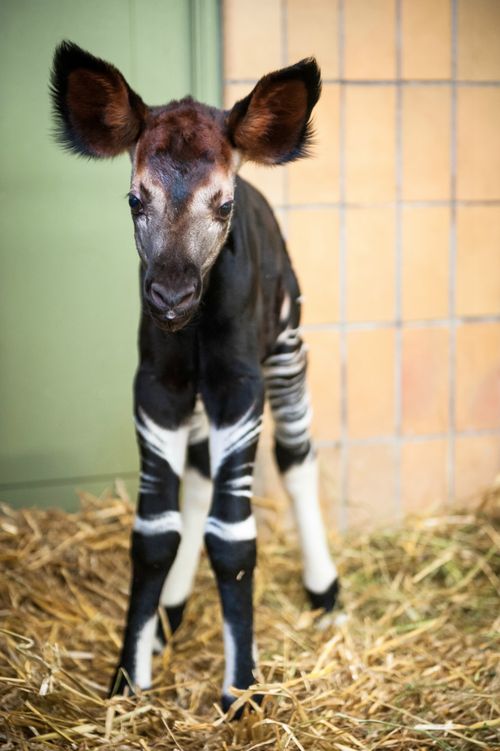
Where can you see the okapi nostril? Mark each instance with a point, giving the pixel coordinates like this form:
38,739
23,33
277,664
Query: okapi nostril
159,295
186,296
165,298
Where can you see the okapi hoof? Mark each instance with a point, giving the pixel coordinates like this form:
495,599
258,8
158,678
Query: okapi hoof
121,685
326,599
227,701
174,616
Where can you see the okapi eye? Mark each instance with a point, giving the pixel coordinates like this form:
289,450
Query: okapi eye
135,204
225,209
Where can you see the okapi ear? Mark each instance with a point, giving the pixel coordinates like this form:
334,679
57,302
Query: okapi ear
96,112
272,124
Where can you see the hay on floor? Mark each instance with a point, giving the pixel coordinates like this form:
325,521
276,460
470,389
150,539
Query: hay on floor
411,662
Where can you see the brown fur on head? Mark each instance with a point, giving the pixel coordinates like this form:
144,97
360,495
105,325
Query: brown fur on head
184,159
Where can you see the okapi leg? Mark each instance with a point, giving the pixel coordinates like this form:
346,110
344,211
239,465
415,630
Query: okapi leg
196,498
155,537
230,536
286,388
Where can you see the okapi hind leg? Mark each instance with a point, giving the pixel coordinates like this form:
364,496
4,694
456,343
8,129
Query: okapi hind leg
196,497
286,388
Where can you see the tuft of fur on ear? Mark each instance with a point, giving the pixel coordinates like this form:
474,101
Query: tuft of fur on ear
272,124
96,112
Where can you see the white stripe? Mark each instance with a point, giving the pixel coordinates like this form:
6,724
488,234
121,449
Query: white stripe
240,487
285,307
233,438
283,357
143,653
288,335
169,521
167,444
150,478
239,482
237,493
232,531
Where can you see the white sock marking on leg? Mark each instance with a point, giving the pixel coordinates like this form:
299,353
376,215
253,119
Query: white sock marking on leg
230,657
143,653
301,483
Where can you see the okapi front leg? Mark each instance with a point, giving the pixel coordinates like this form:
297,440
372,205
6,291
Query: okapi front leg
155,539
230,536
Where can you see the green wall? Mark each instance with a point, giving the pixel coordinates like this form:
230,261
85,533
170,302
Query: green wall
68,266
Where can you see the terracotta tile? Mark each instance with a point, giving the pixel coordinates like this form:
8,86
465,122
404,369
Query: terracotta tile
477,463
252,38
316,179
478,45
425,242
424,478
426,143
324,383
371,486
426,39
370,144
233,92
370,49
370,267
370,383
425,381
313,242
478,260
312,30
270,181
478,145
478,376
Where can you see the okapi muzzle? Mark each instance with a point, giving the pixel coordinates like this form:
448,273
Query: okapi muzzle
212,255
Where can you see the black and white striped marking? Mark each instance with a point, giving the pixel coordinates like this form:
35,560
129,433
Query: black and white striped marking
285,376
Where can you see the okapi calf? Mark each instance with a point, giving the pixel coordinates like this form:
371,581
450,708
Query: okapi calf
218,332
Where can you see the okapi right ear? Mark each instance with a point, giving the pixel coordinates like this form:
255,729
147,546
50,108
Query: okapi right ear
97,114
272,124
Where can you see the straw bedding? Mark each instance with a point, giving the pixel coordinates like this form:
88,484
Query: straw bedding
410,662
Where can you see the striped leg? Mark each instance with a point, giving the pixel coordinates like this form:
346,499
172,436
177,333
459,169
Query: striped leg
155,540
230,536
197,494
286,388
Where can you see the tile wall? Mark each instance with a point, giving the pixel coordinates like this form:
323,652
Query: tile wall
394,229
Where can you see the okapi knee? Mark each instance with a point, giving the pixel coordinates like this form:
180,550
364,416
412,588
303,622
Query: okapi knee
155,552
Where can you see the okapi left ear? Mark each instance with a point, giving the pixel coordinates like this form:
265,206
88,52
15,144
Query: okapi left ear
97,114
272,124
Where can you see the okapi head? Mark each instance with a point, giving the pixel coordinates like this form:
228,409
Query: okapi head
185,156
